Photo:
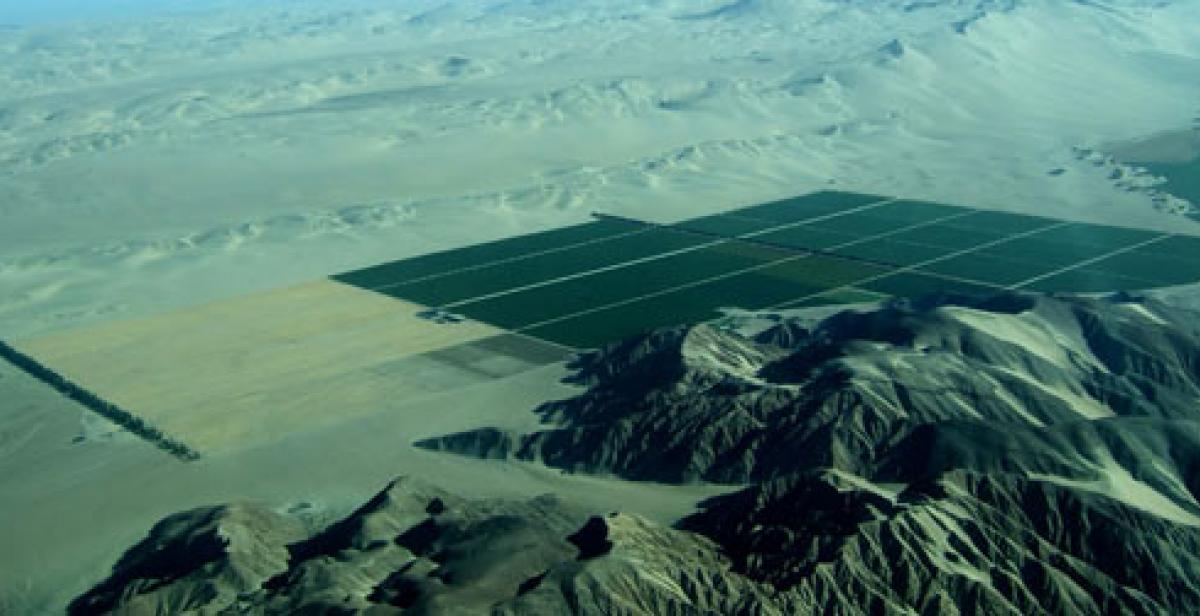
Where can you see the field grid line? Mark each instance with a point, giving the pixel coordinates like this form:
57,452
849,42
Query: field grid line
728,228
721,240
918,267
804,254
1087,262
508,260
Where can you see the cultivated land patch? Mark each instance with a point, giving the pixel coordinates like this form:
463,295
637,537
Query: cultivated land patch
236,372
250,369
825,248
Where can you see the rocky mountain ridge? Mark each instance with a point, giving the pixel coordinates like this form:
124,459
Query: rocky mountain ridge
1009,455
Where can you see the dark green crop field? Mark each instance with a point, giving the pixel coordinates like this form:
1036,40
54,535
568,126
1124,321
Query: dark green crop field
590,284
484,254
520,272
553,300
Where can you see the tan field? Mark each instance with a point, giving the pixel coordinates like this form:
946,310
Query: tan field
232,372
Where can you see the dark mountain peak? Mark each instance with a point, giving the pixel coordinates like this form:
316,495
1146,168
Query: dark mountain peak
705,403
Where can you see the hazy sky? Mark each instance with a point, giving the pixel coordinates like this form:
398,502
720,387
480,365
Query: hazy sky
40,11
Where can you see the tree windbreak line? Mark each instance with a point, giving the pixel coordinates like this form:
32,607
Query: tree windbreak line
98,405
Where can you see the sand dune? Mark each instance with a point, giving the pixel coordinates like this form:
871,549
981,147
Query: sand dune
357,128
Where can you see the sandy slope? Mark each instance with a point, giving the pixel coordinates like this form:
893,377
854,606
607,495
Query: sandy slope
157,162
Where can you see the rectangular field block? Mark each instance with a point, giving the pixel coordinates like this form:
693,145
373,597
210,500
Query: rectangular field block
1045,250
805,238
822,247
1183,247
913,284
725,225
1003,272
540,267
858,224
1102,236
1000,223
891,252
1086,281
1159,270
484,254
949,238
908,212
529,306
762,288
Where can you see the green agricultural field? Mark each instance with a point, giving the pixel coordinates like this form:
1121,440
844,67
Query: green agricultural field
908,212
805,237
1087,281
727,225
1102,236
1000,223
524,271
892,252
912,284
440,262
832,298
1159,270
1001,272
948,237
858,224
608,325
531,306
823,272
590,284
1182,247
768,287
1046,250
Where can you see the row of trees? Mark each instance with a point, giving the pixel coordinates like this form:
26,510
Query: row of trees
95,403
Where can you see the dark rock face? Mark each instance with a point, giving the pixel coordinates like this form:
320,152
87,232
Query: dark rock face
1014,455
415,549
700,404
985,543
411,547
195,559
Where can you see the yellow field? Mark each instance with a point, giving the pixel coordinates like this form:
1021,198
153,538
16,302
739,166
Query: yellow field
241,370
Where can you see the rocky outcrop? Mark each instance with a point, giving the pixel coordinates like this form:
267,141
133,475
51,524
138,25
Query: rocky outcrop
196,560
703,404
1011,455
964,542
416,549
